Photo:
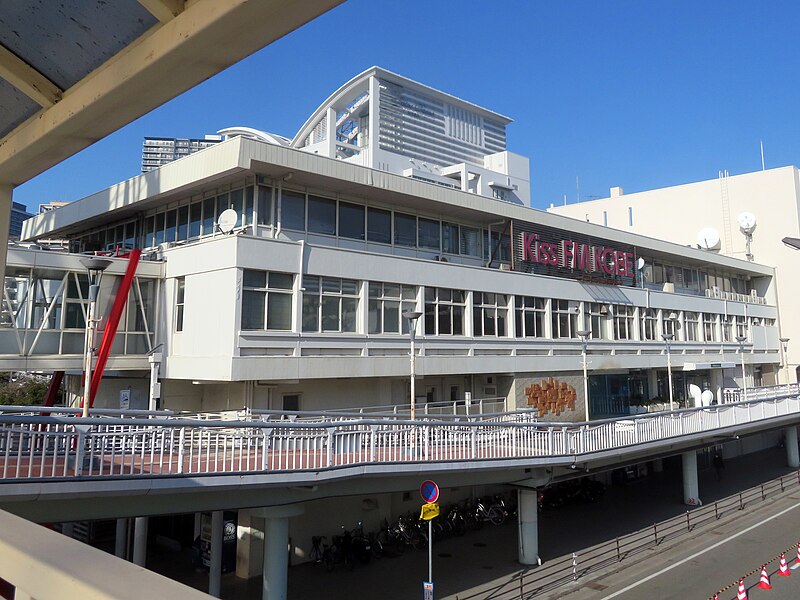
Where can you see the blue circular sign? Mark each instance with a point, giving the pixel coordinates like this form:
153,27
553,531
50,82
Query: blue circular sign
429,491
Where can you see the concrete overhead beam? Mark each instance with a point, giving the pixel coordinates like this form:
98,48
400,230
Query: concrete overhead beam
27,79
163,10
204,39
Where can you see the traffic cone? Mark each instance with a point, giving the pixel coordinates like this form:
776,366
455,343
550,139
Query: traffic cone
742,593
764,583
797,560
784,570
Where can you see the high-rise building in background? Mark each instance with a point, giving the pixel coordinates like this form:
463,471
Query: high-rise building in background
52,205
19,213
158,151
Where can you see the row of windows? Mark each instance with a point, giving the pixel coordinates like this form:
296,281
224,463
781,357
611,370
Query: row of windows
695,280
330,304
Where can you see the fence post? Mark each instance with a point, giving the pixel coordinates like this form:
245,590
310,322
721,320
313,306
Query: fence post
329,460
474,441
373,433
619,558
181,440
688,522
716,512
574,567
741,502
655,533
763,497
265,434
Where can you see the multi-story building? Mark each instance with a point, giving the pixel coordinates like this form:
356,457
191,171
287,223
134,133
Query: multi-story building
396,197
288,274
744,216
158,151
52,205
18,214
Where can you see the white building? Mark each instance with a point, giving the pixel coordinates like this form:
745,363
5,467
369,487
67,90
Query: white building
362,217
711,215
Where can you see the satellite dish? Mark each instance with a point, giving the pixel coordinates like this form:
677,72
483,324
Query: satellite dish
708,238
227,220
695,392
706,398
747,221
640,264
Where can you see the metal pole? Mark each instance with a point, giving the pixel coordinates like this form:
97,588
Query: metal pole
87,365
669,376
413,325
430,550
585,383
744,375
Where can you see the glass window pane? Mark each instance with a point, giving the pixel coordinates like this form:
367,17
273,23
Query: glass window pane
375,290
281,281
247,218
429,234
279,311
330,313
130,235
374,316
159,229
469,241
293,210
321,215
450,238
405,230
391,290
222,204
208,216
391,316
253,309
149,238
311,284
409,292
264,205
74,316
349,286
310,314
183,223
331,285
237,203
351,221
195,219
379,226
253,278
169,236
349,306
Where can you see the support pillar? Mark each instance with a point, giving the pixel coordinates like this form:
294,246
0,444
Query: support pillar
658,465
249,545
5,219
691,489
140,541
716,384
215,569
121,539
528,518
276,549
792,454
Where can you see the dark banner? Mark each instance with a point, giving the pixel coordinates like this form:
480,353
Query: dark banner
547,251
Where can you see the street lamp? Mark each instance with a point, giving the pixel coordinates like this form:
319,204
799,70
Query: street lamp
412,316
668,337
95,268
742,339
584,335
785,348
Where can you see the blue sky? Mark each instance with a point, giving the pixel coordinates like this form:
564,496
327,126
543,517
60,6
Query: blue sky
635,93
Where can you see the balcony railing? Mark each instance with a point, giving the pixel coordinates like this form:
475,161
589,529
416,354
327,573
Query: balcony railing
35,447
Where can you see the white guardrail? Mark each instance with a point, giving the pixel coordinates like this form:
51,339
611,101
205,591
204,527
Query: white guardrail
35,447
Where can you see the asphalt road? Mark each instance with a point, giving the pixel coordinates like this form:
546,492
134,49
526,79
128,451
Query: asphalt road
712,561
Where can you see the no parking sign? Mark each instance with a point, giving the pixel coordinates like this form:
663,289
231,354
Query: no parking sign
429,491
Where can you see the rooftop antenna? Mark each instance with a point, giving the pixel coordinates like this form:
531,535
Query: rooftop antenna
565,199
762,155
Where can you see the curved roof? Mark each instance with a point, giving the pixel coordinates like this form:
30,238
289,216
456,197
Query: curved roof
255,134
353,87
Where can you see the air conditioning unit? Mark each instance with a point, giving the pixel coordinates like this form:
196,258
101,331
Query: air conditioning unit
490,391
669,287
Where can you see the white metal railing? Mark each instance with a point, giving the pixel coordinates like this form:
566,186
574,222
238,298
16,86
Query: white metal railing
730,395
34,447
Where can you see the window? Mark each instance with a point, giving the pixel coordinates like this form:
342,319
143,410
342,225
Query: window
179,302
293,210
469,241
564,319
291,402
379,226
623,322
649,324
351,221
489,314
709,327
405,230
597,313
247,215
741,326
499,246
387,303
429,234
208,216
77,302
159,238
444,311
529,316
329,304
195,219
670,320
727,327
171,221
264,205
691,324
449,238
321,215
267,299
183,223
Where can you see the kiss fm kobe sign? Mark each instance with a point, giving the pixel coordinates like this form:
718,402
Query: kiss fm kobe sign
547,251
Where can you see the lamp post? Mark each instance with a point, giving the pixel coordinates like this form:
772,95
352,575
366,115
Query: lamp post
95,268
742,339
584,335
668,337
785,349
412,316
